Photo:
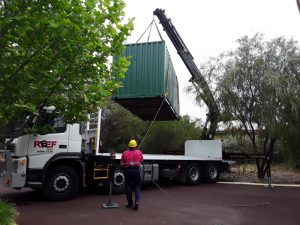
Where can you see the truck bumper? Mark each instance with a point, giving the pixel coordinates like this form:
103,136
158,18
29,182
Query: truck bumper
12,170
13,180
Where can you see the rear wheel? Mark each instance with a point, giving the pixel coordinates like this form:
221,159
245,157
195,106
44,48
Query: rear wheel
193,173
211,173
118,182
62,183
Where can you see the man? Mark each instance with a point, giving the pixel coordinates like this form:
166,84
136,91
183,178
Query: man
131,161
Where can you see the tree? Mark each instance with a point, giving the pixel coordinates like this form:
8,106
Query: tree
259,86
119,126
57,53
170,136
289,94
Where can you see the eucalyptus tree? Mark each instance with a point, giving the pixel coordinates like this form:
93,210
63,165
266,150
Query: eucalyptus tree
289,94
257,90
259,87
57,53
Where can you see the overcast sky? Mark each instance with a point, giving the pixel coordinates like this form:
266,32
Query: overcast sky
209,27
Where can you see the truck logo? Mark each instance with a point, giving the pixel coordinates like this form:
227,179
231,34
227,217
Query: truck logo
44,144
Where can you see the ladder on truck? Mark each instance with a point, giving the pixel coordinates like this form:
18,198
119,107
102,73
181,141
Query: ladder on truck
91,133
91,142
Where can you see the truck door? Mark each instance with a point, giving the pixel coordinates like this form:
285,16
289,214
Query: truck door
42,147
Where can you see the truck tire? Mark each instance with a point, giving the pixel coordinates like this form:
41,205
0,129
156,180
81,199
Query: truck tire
193,173
118,182
211,173
61,183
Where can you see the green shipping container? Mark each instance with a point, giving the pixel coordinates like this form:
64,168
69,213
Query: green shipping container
149,78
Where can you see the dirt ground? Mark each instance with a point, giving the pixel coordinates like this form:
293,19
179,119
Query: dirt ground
248,173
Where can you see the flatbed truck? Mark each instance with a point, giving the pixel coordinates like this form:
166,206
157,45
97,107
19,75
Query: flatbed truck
68,160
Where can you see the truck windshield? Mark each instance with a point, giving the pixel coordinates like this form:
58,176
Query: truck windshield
59,126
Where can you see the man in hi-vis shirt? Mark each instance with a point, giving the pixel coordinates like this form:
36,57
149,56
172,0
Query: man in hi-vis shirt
131,161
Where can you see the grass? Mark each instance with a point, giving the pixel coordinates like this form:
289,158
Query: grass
8,213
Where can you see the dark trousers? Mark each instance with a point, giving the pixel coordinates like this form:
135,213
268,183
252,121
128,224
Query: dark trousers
133,184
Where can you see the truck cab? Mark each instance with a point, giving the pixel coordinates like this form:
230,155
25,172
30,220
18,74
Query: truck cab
58,162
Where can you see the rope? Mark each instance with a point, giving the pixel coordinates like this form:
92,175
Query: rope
206,205
158,30
165,96
150,27
150,31
166,91
145,31
152,121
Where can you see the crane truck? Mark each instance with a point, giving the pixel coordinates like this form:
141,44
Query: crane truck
67,160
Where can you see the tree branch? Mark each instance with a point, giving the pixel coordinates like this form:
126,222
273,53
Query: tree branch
61,78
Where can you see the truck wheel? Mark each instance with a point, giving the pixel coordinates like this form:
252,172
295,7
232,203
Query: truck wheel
211,172
61,183
118,182
193,173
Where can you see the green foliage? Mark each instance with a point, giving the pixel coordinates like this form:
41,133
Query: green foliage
237,141
58,53
290,143
257,84
170,136
8,213
118,127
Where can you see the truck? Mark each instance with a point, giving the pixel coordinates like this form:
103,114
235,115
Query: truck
68,160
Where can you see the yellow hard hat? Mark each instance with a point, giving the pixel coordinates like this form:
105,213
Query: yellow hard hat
132,144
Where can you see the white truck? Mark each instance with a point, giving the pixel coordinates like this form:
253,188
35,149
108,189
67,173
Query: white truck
68,160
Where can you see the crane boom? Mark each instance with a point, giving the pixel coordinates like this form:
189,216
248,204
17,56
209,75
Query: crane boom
198,80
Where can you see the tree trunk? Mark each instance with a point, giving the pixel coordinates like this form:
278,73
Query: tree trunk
262,164
261,168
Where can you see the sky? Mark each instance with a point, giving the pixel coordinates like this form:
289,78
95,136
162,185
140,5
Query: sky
210,27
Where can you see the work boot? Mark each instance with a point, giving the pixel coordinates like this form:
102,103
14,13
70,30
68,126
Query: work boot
136,206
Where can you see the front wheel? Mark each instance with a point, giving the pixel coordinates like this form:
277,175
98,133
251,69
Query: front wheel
62,183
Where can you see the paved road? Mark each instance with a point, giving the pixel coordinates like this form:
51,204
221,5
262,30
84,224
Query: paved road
205,204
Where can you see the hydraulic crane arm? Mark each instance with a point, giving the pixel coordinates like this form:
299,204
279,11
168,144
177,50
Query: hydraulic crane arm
177,41
197,78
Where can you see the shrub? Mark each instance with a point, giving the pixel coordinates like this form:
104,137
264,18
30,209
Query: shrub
8,213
